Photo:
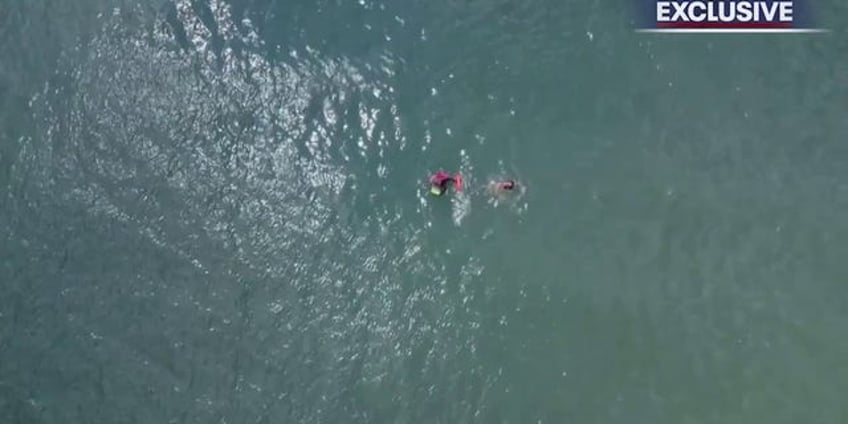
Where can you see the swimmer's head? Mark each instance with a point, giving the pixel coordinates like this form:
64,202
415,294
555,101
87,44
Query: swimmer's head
508,185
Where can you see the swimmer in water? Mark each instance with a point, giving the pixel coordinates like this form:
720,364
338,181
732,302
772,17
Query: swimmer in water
501,188
439,183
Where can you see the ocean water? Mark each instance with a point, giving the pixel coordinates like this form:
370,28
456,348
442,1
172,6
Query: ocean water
213,211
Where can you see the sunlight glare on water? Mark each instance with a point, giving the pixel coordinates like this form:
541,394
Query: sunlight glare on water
208,148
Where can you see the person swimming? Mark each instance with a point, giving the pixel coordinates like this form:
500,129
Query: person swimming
497,188
440,180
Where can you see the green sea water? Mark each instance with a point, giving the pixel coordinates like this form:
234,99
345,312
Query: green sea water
214,211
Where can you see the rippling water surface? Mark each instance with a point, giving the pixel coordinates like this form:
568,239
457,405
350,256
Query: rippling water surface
213,212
